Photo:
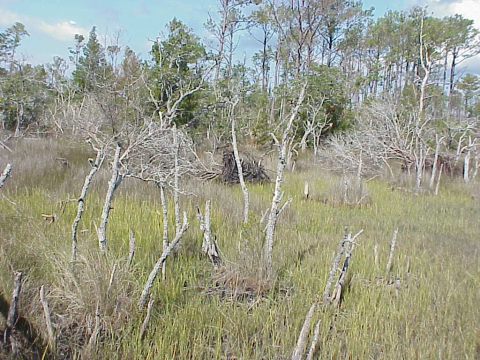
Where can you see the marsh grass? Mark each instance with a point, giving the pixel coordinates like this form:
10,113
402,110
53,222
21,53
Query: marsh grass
432,313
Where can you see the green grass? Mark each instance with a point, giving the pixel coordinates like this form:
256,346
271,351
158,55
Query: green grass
433,314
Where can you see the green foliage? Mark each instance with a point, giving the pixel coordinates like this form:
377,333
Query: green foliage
92,71
9,42
23,96
177,66
470,86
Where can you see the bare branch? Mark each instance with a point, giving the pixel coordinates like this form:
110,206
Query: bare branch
159,263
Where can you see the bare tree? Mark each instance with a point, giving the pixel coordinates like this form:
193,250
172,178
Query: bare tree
81,200
240,173
5,174
159,263
277,195
112,186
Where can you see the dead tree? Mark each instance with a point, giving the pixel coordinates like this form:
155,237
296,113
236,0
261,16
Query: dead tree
176,179
5,174
392,249
13,308
277,195
131,248
209,247
163,201
48,319
159,263
144,327
349,245
240,171
438,143
301,342
316,337
112,186
81,199
345,246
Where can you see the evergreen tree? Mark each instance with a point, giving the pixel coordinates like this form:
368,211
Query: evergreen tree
92,70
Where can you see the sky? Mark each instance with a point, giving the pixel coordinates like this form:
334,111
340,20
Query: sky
52,24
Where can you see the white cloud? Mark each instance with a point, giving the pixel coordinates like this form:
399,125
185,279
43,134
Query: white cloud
63,30
8,18
469,9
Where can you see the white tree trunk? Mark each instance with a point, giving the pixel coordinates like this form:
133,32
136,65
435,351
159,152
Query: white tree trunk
438,179
301,342
165,224
176,188
467,159
13,308
159,264
419,166
112,185
48,319
316,337
392,249
240,173
435,163
81,201
5,174
466,166
277,195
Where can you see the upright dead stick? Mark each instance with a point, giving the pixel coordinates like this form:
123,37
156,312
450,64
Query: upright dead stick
438,179
205,226
92,342
176,186
144,327
160,261
112,186
435,161
163,201
349,245
298,351
5,174
112,277
13,308
345,189
240,172
277,194
48,319
81,202
131,248
209,247
392,249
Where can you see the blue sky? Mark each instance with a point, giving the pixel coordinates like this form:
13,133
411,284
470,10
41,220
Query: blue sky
52,24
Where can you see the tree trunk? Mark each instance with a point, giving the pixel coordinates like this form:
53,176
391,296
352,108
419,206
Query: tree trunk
277,195
240,172
112,186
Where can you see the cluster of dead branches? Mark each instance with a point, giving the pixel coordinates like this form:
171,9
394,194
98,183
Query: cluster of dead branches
253,170
386,133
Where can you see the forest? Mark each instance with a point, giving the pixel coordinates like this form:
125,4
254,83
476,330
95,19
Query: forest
316,198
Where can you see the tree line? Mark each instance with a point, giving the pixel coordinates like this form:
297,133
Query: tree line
347,57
